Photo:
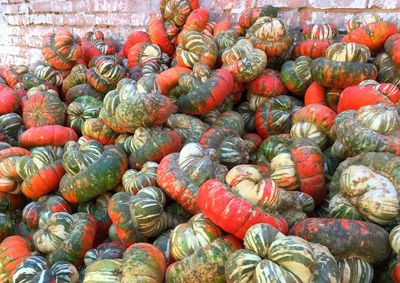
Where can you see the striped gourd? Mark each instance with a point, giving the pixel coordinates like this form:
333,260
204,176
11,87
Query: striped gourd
355,270
37,269
188,237
133,180
104,271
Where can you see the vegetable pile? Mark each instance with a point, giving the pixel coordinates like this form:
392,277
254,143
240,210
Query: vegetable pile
203,151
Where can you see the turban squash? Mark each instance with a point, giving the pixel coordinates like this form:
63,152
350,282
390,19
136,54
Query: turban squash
243,61
250,15
81,109
45,74
353,238
47,135
36,268
207,264
140,216
318,94
149,144
189,128
179,175
42,108
65,237
269,255
313,121
13,251
41,171
368,93
196,92
11,127
345,64
95,128
133,180
177,11
372,128
388,72
296,75
91,169
352,196
316,38
11,101
231,213
135,104
370,30
194,48
62,49
13,74
164,34
107,250
270,35
134,38
275,116
10,181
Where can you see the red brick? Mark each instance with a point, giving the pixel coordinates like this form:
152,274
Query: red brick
285,4
329,4
384,4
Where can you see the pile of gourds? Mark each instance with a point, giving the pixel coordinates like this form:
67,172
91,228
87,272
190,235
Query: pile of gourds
204,151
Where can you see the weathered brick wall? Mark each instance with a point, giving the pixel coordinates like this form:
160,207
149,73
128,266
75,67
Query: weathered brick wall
23,22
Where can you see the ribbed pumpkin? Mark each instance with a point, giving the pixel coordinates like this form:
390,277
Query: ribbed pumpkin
140,216
194,48
66,237
10,100
91,169
13,251
387,71
270,35
13,74
177,11
271,256
149,144
267,85
11,127
42,108
37,269
81,109
41,171
144,53
206,265
296,75
10,181
133,181
370,128
179,175
345,64
352,196
47,135
135,104
368,93
300,168
45,74
104,73
189,237
198,92
316,38
75,85
231,213
370,30
95,128
275,116
98,209
164,34
32,211
353,238
250,15
97,47
108,250
62,49
243,61
230,147
318,94
134,38
313,121
189,128
143,262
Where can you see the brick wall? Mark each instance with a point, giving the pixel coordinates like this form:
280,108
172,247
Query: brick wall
23,22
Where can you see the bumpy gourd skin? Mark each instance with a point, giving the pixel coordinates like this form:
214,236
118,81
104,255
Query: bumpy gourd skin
372,128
